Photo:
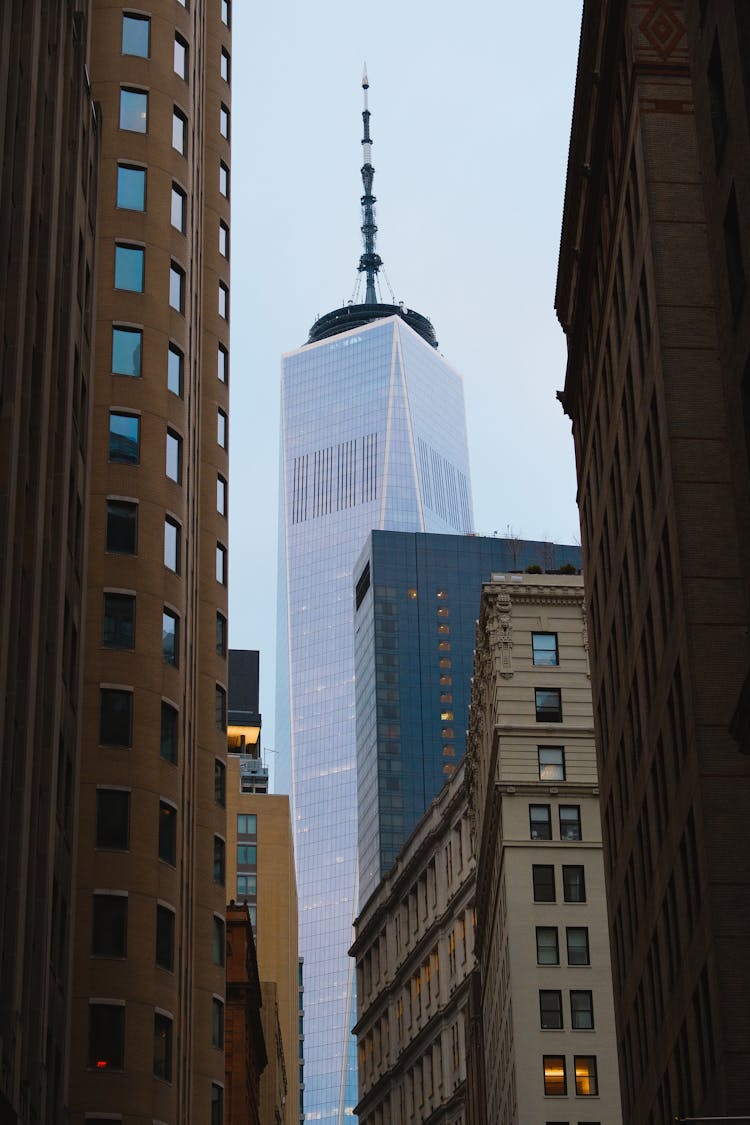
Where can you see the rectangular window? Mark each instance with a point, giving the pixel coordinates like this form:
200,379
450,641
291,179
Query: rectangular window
106,1036
587,1083
570,822
129,264
221,708
219,860
548,703
550,1009
225,64
113,819
543,878
555,1081
172,544
179,131
219,942
247,886
173,466
136,35
247,824
574,885
170,638
221,495
118,628
221,428
220,783
127,348
115,717
176,288
179,208
577,940
223,239
223,301
169,733
165,937
540,821
544,649
217,1023
733,249
217,1105
226,13
109,931
551,763
221,634
180,57
224,180
222,368
221,564
122,527
224,121
124,438
162,1047
581,1010
175,366
131,188
167,833
133,110
247,855
547,951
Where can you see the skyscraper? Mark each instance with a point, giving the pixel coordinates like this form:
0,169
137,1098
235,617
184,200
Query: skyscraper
373,436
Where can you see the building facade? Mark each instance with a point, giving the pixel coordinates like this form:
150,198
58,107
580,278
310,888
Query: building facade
49,139
249,1035
414,955
416,602
151,854
547,1014
652,297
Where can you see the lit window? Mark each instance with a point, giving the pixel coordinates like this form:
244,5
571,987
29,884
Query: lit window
224,121
543,877
129,264
106,1036
170,637
551,763
223,239
133,110
411,593
167,833
127,348
444,662
221,564
219,860
570,822
222,367
544,648
122,527
173,467
223,301
444,629
179,208
162,1047
446,716
131,188
443,611
446,681
109,931
217,1023
115,717
177,287
548,703
169,733
221,428
175,367
179,131
547,951
113,819
577,940
540,821
441,594
444,646
225,64
224,180
172,544
581,1010
574,885
555,1081
550,1009
180,57
221,495
118,629
587,1083
165,937
136,33
221,634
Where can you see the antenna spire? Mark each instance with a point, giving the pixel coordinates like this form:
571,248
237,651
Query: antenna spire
370,262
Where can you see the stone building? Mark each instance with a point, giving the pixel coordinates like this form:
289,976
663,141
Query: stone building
548,1043
652,296
414,952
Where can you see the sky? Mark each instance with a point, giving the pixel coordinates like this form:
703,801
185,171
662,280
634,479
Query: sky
471,109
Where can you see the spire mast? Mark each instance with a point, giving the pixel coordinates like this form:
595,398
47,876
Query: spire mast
370,262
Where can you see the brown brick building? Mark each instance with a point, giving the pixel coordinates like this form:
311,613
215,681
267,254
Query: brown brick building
246,1045
652,295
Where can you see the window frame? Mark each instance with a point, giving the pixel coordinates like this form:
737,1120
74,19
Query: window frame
112,519
125,111
135,18
108,739
125,166
181,43
220,861
110,596
120,457
179,356
124,330
173,446
537,884
103,819
585,1010
174,740
179,131
178,194
551,765
540,947
170,653
567,870
548,713
163,1031
176,527
550,1009
165,913
98,1036
122,268
547,1062
540,822
167,840
572,830
592,1076
102,927
575,930
538,653
177,287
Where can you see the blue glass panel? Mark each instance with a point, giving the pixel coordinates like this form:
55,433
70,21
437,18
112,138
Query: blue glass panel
126,351
169,637
176,288
134,111
173,466
124,434
135,35
174,370
129,268
131,188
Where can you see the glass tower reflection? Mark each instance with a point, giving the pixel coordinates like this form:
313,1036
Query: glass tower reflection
373,436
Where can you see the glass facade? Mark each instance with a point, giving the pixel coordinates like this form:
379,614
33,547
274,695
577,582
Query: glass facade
373,436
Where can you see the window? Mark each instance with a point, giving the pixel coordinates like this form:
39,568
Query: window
540,821
129,268
217,1105
221,634
173,466
122,527
172,544
115,717
226,13
179,208
247,886
113,819
733,250
167,833
127,347
224,121
180,57
179,131
223,301
219,860
221,428
555,1081
118,628
247,824
220,783
574,886
222,369
177,288
547,952
162,1047
124,438
170,638
570,822
224,180
169,733
131,188
136,33
550,1009
581,1010
577,940
225,65
106,1036
217,1023
219,942
548,704
175,362
221,564
109,931
221,495
544,648
587,1083
247,855
551,763
223,239
134,110
164,937
543,876
221,708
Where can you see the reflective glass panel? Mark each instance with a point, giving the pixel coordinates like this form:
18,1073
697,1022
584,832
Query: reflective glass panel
131,188
124,438
126,351
134,111
129,268
136,33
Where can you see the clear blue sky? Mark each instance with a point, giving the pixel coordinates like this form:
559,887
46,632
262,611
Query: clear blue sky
471,107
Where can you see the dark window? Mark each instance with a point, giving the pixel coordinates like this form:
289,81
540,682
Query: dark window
221,634
219,942
175,367
113,819
127,348
134,111
170,638
162,1047
118,629
167,833
172,544
587,1083
129,263
179,208
551,763
136,33
544,648
169,733
577,938
179,131
124,438
122,527
173,467
570,822
540,821
217,1105
547,952
550,1008
217,1023
733,247
543,875
106,1036
548,704
131,188
717,101
363,585
220,783
574,885
555,1081
115,717
219,860
581,1010
177,287
165,937
109,931
221,708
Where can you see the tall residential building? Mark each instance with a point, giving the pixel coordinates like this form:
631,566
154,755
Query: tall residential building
416,605
148,963
542,943
49,140
652,295
373,436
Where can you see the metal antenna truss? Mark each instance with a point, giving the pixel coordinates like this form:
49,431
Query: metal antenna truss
370,262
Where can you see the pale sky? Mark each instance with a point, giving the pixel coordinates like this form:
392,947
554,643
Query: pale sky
471,109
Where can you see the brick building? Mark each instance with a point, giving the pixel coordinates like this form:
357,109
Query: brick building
245,1044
